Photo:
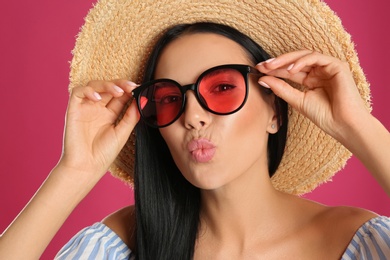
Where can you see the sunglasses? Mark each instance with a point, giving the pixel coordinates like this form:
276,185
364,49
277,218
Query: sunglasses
221,90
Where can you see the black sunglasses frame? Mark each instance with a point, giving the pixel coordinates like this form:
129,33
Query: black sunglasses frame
243,69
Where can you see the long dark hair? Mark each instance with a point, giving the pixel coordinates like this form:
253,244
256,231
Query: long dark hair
167,205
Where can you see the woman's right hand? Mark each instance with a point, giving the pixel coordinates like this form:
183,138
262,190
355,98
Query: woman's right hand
93,137
92,140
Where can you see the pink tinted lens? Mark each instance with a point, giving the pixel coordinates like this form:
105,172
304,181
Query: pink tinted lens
223,90
164,103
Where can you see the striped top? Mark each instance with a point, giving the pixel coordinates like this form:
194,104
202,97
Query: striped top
95,242
371,241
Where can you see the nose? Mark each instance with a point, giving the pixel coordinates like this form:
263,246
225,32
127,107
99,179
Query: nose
195,116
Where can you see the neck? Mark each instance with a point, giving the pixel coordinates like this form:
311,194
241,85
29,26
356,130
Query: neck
242,210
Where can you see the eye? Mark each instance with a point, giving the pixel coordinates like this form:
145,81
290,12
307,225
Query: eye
167,94
169,99
218,89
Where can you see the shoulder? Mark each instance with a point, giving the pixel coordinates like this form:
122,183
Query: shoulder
342,221
356,233
122,222
371,240
330,230
341,218
95,242
113,238
349,217
340,224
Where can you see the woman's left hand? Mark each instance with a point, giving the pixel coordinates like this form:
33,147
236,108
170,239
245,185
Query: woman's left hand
331,99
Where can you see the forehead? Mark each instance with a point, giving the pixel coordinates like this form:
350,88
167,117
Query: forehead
187,57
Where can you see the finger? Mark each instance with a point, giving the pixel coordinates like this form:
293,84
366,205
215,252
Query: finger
297,61
314,60
297,77
283,90
126,85
96,91
116,105
85,93
300,77
323,69
128,122
111,89
281,61
302,70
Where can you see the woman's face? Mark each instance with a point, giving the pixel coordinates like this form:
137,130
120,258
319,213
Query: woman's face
213,150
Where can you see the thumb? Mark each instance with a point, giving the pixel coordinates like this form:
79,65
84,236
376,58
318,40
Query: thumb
283,90
128,122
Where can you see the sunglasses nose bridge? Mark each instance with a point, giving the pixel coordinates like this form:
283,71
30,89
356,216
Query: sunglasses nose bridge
189,87
197,95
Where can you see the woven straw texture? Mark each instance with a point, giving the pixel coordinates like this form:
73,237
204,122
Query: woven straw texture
118,36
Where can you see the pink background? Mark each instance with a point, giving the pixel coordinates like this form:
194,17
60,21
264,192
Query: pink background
36,40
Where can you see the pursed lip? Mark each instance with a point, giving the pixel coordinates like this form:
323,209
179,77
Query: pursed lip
202,150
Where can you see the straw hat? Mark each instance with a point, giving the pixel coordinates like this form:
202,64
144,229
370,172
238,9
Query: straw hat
118,35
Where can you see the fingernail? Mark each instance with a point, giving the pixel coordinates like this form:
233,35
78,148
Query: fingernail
132,84
269,60
97,95
118,89
290,67
261,63
264,84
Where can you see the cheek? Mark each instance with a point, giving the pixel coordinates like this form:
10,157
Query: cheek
248,127
169,136
254,116
174,138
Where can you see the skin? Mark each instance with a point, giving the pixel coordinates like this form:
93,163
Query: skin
242,215
234,137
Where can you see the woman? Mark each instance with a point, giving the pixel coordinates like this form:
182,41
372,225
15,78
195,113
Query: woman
225,206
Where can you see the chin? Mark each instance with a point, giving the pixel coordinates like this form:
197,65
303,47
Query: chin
207,182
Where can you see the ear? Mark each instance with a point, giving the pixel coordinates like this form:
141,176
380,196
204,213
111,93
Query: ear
270,98
273,125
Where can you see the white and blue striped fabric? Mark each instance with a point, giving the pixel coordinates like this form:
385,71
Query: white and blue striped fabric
95,242
371,242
